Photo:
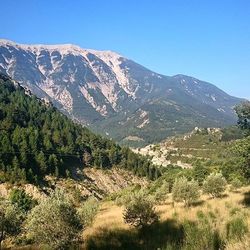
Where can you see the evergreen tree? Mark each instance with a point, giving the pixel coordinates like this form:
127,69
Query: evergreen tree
41,161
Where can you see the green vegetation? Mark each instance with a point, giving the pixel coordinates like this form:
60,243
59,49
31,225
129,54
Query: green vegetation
201,234
54,222
37,140
236,227
10,220
88,211
241,151
236,183
215,185
243,112
213,224
139,211
185,191
23,201
161,192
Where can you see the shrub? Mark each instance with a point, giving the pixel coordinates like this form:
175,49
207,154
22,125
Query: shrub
11,219
185,191
201,234
196,237
88,211
200,172
215,184
161,193
140,211
125,196
21,199
236,184
54,222
236,228
123,199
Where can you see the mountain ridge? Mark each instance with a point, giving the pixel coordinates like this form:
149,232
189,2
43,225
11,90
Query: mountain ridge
115,95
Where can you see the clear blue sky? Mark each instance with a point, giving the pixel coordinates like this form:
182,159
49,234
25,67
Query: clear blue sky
207,39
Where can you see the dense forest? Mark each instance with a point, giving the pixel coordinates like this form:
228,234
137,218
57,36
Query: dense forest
37,140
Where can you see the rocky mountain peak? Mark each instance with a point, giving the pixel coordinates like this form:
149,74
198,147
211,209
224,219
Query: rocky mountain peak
110,93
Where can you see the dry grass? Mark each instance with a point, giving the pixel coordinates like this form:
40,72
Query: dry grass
242,245
222,205
110,216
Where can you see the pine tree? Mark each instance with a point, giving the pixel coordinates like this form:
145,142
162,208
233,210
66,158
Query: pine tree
41,161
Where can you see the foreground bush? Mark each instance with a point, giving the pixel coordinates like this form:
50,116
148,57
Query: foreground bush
11,219
140,211
88,211
236,228
54,222
202,234
215,185
185,191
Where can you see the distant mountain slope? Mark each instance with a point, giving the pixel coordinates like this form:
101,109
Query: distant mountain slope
210,145
115,95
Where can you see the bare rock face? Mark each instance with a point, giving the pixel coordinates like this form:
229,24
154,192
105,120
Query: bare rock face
115,95
93,182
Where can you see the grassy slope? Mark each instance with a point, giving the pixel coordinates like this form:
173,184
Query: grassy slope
110,232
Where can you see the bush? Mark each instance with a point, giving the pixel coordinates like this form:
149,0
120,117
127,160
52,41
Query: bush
185,191
196,236
200,172
236,228
124,198
161,193
21,199
201,234
11,219
54,222
215,184
88,211
125,195
236,184
140,211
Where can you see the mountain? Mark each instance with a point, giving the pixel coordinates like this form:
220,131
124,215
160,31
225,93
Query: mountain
114,95
37,140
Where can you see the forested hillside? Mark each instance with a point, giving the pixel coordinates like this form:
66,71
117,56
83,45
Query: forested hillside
37,140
